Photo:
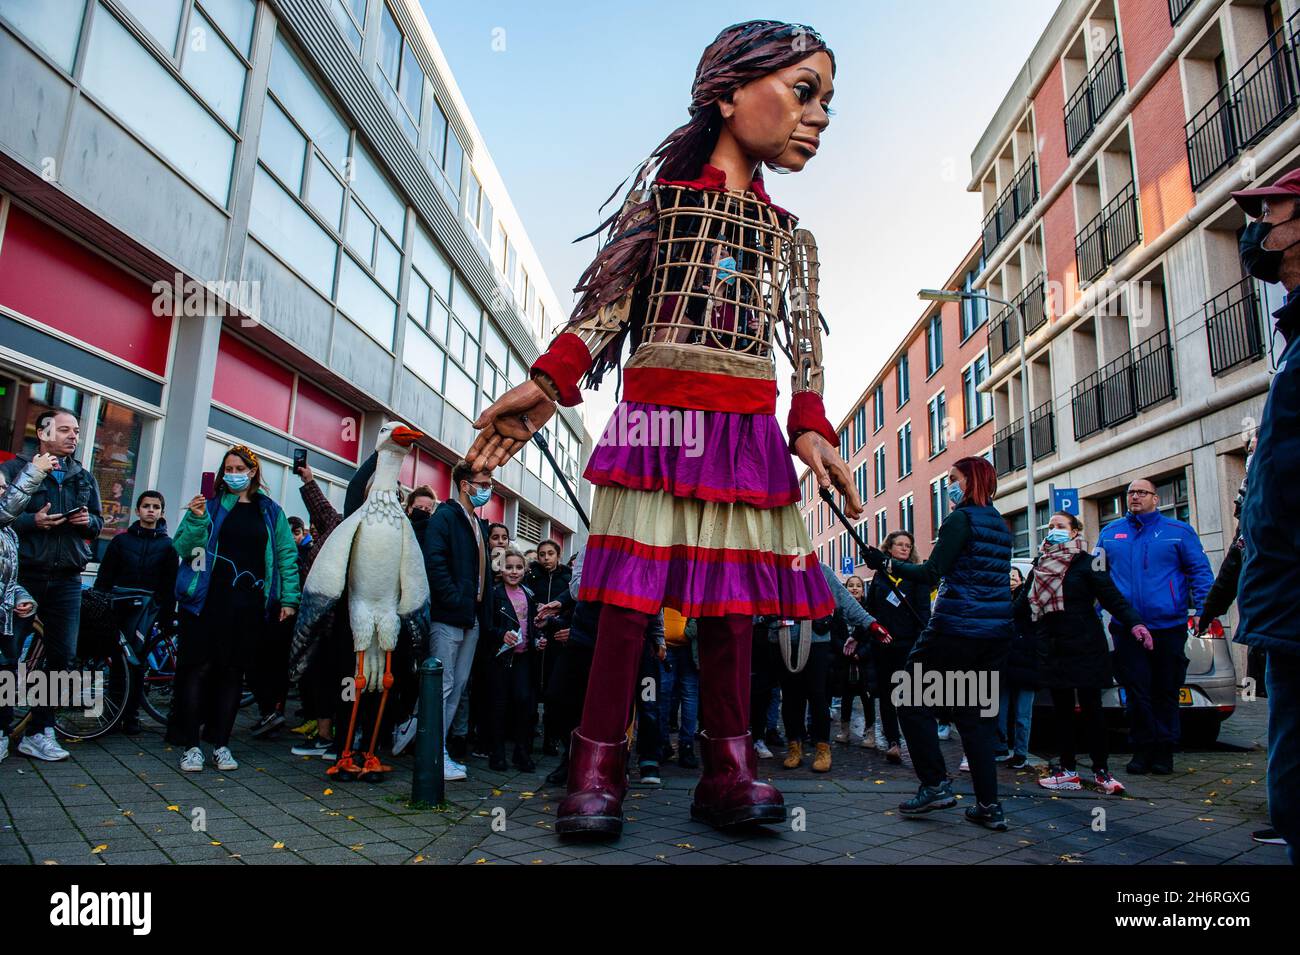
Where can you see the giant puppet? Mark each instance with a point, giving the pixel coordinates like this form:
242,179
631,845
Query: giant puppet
706,277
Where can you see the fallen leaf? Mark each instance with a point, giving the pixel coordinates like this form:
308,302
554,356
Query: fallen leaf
173,808
99,848
329,792
49,862
537,862
78,785
496,792
357,848
128,812
352,818
418,859
1205,819
479,861
278,845
879,782
683,845
526,795
214,842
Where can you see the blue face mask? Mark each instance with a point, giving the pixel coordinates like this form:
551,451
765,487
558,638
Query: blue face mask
1057,536
236,482
955,494
480,496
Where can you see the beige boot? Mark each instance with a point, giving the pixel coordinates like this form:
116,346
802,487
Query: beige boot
822,758
794,756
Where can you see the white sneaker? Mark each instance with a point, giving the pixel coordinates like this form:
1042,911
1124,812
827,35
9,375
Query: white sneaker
761,749
192,761
403,733
945,730
450,770
43,746
4,745
965,765
224,759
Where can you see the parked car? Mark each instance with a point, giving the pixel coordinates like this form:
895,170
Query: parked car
1208,695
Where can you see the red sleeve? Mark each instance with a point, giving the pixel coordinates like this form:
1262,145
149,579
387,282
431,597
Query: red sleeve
807,413
565,362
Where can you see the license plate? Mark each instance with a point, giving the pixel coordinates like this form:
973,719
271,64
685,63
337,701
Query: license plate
1185,696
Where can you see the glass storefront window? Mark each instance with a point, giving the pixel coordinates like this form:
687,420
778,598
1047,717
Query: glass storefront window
113,462
53,25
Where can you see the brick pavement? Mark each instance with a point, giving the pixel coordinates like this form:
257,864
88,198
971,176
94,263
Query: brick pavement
125,801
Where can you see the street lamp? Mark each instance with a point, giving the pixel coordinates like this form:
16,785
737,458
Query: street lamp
951,295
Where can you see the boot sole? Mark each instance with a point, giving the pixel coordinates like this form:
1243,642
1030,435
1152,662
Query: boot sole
592,827
761,815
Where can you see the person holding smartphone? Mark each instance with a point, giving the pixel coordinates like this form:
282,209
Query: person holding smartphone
239,573
56,535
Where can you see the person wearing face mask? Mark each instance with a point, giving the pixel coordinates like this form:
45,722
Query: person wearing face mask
1270,514
238,574
1060,598
455,547
969,631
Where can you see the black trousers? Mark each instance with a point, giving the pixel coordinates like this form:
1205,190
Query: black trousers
510,681
270,673
207,700
1094,725
807,690
943,655
890,658
849,681
765,676
566,689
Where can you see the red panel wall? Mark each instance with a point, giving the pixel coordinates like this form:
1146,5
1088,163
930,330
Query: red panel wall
434,472
326,422
1160,147
248,381
50,278
1049,124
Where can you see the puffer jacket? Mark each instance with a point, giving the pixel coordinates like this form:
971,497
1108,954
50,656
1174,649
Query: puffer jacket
12,504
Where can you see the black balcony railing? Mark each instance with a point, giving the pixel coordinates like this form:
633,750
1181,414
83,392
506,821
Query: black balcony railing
1009,443
1255,101
1004,334
1034,302
1099,90
1176,10
1015,202
1234,324
1004,329
1128,385
1110,234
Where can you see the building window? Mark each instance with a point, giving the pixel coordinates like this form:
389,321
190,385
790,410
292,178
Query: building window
844,444
880,469
974,311
446,157
860,480
939,506
860,427
350,18
937,415
399,76
878,400
903,380
933,345
882,527
905,450
905,514
978,407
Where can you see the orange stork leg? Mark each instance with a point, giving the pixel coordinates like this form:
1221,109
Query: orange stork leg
372,769
346,767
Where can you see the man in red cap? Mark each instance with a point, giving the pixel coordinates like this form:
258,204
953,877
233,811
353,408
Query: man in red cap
1270,515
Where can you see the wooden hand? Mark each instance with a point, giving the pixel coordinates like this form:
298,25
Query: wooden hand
829,469
506,424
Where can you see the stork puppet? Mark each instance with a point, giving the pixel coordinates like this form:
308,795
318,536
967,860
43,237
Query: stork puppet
373,553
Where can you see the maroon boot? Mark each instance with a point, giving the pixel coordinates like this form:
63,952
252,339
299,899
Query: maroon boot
727,794
597,785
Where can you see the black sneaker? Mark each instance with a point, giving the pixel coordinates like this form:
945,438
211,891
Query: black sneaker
130,725
1268,837
1162,760
1018,761
331,754
775,741
686,758
268,724
523,761
497,763
649,775
1140,764
929,798
990,816
559,776
314,747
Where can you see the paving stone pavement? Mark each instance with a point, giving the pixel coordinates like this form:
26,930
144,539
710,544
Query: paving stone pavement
124,801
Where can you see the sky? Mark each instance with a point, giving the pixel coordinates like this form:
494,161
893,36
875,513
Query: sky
570,95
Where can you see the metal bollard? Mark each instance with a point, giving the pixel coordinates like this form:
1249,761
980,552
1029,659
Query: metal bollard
428,785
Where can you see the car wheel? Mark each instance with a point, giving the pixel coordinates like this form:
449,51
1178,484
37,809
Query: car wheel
1200,730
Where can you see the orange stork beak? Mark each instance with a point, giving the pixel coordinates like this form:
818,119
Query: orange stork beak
406,436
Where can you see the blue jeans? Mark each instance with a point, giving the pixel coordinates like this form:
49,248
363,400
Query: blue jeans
58,604
679,680
1023,700
1282,678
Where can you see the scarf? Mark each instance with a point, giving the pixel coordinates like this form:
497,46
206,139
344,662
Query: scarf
1047,595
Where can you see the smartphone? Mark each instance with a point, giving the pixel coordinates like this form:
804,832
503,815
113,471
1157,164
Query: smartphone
299,460
209,486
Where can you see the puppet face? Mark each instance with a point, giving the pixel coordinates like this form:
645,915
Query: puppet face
779,118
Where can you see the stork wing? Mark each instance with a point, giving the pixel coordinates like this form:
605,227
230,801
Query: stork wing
329,575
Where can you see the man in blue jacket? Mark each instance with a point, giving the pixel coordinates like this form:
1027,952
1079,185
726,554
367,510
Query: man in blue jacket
1270,576
1160,567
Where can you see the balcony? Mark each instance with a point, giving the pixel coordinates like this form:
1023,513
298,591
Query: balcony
1009,443
1127,386
1110,234
1004,330
1254,102
1234,325
1013,205
1098,92
1176,10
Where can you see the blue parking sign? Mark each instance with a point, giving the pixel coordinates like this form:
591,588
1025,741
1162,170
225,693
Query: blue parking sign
1066,499
848,565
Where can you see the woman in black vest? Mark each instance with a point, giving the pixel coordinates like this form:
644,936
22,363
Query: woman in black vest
966,639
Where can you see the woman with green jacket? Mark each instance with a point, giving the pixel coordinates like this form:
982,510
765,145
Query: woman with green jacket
239,572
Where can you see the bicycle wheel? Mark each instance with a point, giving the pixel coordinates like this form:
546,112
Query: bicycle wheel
104,685
159,674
